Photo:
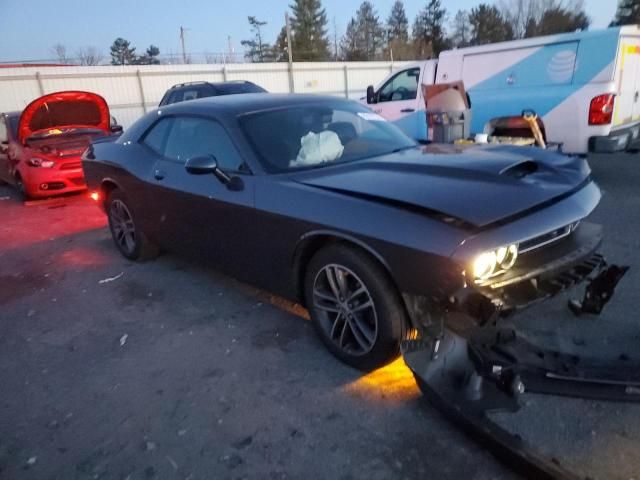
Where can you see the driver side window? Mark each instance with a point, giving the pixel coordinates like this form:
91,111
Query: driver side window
195,136
402,86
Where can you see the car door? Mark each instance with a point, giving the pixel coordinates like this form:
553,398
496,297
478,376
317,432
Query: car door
398,96
197,214
398,100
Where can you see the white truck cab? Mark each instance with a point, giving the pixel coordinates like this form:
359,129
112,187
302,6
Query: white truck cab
585,87
399,97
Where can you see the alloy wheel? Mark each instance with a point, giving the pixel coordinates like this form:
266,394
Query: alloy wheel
124,230
345,309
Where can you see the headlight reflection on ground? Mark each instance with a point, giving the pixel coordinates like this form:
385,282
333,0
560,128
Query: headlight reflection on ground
391,384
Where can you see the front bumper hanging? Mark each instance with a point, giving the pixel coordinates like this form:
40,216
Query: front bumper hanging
485,369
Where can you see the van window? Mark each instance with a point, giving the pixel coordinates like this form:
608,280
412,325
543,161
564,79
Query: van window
402,86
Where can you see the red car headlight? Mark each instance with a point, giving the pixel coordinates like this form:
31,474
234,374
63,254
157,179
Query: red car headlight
39,162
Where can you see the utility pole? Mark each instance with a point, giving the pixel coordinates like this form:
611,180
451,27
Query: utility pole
230,50
289,51
335,40
184,52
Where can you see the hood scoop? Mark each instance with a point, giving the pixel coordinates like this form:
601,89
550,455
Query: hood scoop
520,169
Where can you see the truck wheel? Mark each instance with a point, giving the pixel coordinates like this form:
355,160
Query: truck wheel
354,307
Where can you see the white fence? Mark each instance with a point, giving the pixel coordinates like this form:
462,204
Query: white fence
133,90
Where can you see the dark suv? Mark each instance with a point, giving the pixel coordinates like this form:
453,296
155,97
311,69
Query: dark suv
193,90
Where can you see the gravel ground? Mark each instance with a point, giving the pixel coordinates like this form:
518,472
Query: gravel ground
118,370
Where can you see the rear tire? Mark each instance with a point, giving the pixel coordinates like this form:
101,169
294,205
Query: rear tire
130,240
355,307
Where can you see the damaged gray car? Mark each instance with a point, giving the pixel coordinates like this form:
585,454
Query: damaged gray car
392,248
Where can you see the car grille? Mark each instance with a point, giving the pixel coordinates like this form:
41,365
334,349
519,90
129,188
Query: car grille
71,166
547,238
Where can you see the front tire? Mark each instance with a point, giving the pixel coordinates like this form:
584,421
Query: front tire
354,307
125,231
22,190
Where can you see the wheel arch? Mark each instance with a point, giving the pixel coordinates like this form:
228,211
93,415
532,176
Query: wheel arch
108,185
310,243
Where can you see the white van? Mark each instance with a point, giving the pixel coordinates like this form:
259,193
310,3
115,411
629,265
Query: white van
585,87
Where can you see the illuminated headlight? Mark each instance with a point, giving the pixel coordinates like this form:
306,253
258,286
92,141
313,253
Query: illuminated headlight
39,162
491,263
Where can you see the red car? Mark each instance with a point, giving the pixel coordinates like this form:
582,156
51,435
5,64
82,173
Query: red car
40,148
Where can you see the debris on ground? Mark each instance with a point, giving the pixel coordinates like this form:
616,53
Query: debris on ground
172,462
110,279
123,339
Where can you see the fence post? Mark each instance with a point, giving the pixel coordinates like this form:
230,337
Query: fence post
346,81
40,85
144,101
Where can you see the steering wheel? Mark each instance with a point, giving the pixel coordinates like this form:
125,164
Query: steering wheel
402,91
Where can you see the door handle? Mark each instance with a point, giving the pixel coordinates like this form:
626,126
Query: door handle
408,110
159,174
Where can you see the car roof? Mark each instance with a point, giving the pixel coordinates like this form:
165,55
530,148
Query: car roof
213,84
235,105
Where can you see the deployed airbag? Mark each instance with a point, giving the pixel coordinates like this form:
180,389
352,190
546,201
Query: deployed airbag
317,148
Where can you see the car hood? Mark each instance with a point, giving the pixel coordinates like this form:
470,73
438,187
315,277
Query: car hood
479,186
62,110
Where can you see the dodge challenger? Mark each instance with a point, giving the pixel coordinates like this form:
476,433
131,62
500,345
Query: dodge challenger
322,201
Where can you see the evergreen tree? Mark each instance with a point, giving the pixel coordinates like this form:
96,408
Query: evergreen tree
398,45
122,53
461,30
279,51
397,23
150,56
488,25
628,13
428,30
309,31
365,35
258,50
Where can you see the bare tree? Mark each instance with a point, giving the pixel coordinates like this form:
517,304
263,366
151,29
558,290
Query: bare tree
60,52
525,16
89,56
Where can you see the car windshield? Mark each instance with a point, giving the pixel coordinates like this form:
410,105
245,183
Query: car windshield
234,88
313,135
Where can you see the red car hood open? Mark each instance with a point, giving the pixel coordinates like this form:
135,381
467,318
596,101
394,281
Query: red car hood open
61,110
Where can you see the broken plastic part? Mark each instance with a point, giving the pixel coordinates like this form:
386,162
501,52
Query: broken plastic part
488,368
599,291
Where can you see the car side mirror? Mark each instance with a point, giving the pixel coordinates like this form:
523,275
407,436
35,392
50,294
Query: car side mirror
202,165
371,94
116,129
207,164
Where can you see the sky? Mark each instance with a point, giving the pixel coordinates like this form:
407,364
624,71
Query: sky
30,28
